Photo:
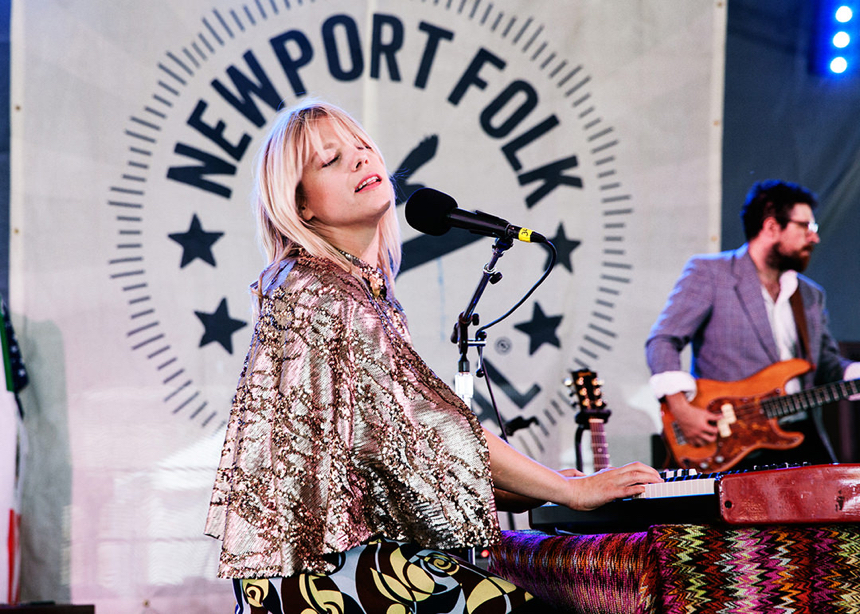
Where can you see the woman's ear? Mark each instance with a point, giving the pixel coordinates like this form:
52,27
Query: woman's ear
304,213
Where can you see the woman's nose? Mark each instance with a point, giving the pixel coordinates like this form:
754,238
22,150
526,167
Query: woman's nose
360,158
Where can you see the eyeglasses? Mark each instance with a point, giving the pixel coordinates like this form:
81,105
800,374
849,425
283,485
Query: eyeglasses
809,225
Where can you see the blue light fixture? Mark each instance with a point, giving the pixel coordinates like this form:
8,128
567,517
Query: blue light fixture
843,14
838,65
841,39
832,46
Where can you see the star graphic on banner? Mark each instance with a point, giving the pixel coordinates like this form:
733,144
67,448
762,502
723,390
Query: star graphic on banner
196,243
541,329
565,248
219,326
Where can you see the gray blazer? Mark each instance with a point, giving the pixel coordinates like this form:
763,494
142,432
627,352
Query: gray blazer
717,306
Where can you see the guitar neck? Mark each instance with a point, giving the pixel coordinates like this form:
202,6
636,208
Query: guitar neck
778,407
599,446
585,389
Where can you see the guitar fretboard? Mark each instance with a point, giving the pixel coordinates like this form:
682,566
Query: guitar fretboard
787,405
599,446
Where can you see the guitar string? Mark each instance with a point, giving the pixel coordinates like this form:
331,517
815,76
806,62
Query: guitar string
808,399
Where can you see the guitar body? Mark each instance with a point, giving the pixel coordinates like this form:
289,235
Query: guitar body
743,423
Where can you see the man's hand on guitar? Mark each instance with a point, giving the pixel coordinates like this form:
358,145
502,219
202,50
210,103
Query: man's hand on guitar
698,425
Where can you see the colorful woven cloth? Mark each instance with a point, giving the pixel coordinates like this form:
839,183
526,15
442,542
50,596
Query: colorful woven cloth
779,568
701,569
583,573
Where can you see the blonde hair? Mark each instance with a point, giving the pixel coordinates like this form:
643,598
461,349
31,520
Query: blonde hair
288,148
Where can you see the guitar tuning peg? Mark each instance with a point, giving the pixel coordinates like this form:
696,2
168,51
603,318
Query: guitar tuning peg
567,382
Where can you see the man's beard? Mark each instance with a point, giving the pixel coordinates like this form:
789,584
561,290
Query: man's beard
795,261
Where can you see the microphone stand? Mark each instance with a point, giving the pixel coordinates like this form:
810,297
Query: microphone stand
463,382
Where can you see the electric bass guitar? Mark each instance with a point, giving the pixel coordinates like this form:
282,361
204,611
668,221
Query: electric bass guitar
584,388
746,413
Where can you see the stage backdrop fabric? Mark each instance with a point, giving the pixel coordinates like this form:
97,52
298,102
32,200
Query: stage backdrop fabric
134,126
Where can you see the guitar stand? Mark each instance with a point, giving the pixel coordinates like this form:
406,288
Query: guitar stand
577,442
582,418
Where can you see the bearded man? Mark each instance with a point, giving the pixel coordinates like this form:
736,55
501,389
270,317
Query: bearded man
742,311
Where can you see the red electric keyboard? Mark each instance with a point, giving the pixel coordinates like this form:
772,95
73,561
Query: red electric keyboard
789,495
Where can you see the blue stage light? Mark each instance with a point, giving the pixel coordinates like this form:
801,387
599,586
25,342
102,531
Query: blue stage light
838,65
833,42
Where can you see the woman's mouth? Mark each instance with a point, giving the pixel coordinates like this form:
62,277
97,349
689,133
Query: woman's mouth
368,181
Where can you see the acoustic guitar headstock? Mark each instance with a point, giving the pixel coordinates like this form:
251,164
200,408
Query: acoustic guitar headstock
584,389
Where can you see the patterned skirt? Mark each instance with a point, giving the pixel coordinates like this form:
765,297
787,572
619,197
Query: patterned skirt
386,576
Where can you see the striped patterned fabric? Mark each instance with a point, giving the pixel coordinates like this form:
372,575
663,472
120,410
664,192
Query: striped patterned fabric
583,573
672,569
811,569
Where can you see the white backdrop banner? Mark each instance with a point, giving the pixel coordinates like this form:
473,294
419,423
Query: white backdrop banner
594,122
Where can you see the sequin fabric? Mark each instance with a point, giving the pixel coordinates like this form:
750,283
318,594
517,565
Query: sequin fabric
339,432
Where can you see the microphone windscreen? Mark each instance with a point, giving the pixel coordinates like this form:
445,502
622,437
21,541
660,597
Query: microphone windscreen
427,211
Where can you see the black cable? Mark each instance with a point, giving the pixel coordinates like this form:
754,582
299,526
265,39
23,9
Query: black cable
483,372
553,258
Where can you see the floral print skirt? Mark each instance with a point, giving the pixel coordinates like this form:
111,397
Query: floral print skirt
390,577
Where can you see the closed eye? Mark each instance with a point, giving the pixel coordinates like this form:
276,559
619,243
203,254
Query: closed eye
332,161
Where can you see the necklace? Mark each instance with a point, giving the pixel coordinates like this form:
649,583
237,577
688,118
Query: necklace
373,277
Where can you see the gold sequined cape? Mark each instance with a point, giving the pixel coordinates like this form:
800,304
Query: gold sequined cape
339,431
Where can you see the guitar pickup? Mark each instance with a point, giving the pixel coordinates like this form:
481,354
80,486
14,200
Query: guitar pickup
729,418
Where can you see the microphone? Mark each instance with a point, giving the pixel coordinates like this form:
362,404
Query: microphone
434,213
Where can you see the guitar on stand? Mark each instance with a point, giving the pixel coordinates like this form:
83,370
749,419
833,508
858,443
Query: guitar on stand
584,388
